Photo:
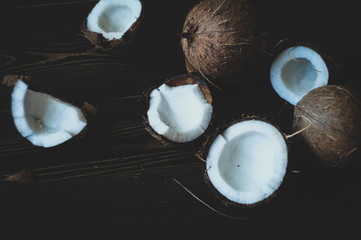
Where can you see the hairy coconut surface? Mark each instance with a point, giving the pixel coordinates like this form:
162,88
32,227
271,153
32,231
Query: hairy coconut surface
220,38
331,119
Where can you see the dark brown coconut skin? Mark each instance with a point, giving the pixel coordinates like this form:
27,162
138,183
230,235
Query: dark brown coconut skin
10,80
203,153
331,119
115,45
220,39
179,80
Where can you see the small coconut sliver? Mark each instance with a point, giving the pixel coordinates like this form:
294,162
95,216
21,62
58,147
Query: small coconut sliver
43,119
247,163
296,71
179,113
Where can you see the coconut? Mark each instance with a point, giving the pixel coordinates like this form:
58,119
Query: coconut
44,120
246,163
179,110
113,23
329,119
220,39
296,71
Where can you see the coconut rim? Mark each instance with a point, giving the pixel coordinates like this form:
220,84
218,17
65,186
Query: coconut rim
203,155
179,80
283,58
101,42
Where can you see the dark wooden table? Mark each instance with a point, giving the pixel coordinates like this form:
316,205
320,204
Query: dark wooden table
120,183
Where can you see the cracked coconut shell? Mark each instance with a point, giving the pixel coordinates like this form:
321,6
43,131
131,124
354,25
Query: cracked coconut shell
180,110
330,118
45,120
220,39
108,43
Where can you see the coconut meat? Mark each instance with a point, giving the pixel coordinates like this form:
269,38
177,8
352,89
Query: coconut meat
44,120
247,162
180,114
296,71
112,18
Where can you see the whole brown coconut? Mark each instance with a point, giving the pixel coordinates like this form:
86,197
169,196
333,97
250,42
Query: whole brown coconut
220,38
330,118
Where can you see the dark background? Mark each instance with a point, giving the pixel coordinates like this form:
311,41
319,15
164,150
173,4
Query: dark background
117,182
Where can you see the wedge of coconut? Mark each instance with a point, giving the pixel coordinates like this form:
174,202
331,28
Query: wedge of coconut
179,110
44,120
247,162
296,71
112,22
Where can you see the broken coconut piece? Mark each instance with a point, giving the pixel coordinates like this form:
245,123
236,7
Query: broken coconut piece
247,162
112,22
180,109
296,71
44,120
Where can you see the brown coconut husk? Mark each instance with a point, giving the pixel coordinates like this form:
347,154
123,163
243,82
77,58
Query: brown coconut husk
10,80
221,39
23,176
331,119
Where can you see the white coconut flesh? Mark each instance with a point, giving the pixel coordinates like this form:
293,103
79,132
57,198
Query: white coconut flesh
44,120
180,114
112,18
248,161
296,71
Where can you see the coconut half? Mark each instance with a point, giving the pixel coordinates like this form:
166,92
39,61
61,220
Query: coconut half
296,71
180,109
44,120
247,163
112,22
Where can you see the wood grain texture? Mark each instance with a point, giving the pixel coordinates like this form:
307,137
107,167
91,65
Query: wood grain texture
117,182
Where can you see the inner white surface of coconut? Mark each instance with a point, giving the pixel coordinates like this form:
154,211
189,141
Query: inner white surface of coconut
248,161
44,120
296,71
112,18
181,114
